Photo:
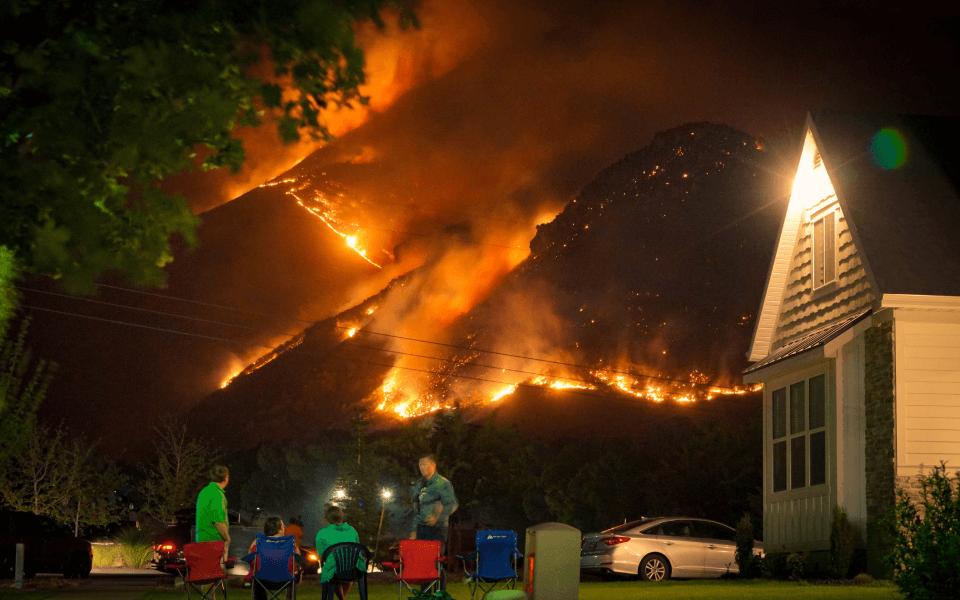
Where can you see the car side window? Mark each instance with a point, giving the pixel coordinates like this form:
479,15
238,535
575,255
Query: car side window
677,529
715,531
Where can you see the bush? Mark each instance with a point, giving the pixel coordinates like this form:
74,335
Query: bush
796,564
136,547
748,562
843,544
784,565
926,536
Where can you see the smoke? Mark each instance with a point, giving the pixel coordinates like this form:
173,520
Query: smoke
397,60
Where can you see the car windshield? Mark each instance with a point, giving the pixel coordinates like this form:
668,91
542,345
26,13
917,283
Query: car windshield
626,526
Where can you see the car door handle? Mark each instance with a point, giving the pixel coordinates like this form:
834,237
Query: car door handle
712,547
668,543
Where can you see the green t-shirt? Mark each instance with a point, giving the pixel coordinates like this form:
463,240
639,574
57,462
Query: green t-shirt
211,508
336,534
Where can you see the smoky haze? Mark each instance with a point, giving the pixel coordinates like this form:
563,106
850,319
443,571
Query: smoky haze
482,124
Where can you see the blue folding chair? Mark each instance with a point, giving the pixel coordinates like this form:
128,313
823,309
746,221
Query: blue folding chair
496,556
274,564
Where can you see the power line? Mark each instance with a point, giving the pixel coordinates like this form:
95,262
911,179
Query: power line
392,366
410,339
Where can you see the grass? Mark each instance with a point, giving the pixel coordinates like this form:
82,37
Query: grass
136,547
629,590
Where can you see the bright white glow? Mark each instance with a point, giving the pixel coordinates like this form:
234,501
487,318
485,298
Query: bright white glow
340,494
387,494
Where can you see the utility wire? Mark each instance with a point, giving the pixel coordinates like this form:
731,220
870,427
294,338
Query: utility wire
427,371
398,337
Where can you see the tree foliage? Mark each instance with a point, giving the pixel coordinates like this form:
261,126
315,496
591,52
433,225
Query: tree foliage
23,385
99,100
926,533
178,471
62,478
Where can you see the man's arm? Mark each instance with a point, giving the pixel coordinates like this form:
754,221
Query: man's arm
224,531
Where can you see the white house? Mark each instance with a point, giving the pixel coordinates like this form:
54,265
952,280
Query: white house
857,342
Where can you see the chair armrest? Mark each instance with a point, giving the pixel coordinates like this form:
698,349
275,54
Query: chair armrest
248,558
392,565
229,563
442,559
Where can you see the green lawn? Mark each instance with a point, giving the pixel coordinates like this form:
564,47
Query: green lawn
629,590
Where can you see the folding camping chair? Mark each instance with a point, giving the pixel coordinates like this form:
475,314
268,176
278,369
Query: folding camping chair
496,557
273,561
420,563
203,566
347,558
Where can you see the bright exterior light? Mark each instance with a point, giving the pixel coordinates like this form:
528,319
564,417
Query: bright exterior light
386,494
340,494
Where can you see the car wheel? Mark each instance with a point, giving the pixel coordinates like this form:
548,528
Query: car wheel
654,568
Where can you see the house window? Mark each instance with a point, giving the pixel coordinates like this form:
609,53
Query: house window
824,249
798,434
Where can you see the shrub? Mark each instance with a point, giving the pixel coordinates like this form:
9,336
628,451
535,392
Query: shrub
136,547
747,561
843,543
926,534
796,563
784,565
863,579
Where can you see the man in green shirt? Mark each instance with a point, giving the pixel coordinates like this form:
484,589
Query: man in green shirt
212,522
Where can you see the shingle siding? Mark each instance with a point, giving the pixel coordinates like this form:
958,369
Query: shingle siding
801,309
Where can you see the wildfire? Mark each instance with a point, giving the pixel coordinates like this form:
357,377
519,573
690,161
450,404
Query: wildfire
263,360
504,392
561,384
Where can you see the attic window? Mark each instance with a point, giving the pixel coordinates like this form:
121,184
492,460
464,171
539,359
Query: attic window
824,249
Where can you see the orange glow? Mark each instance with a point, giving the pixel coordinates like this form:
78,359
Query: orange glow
504,392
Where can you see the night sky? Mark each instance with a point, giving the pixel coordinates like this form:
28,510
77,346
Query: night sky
501,109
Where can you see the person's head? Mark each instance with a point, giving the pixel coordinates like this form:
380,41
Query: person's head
273,526
428,466
220,475
293,521
333,515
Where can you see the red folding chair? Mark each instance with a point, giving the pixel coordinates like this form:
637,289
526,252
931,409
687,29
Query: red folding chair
204,567
420,563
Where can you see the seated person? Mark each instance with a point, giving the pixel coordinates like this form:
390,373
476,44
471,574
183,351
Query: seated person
336,532
272,527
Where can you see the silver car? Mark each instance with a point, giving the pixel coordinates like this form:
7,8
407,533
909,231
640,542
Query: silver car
660,548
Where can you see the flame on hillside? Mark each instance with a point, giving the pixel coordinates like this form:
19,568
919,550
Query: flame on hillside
262,360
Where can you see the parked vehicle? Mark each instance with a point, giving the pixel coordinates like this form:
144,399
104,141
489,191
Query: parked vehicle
48,547
168,549
656,549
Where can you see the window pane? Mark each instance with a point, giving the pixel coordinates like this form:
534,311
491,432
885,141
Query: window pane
780,466
818,253
818,458
779,413
677,529
818,401
829,248
798,462
798,408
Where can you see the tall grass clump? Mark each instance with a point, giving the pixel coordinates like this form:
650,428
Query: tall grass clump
136,547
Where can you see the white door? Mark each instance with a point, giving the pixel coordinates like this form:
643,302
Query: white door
719,548
684,551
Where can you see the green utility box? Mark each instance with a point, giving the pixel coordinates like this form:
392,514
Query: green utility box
552,563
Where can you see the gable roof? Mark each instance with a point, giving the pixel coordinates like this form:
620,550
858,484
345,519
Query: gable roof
905,222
